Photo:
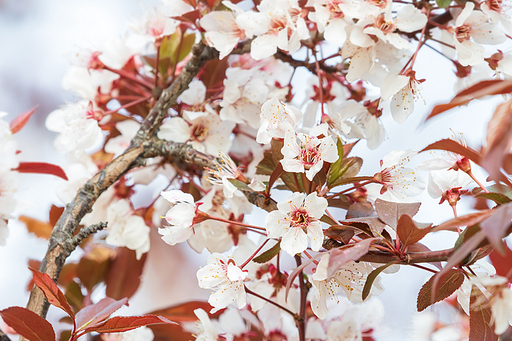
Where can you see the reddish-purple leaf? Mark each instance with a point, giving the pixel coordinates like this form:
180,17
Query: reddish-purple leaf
448,283
375,224
341,256
389,212
502,264
480,317
479,90
340,233
19,122
185,312
97,313
409,232
499,140
28,324
119,324
496,225
455,147
123,275
278,170
40,229
52,291
465,220
41,168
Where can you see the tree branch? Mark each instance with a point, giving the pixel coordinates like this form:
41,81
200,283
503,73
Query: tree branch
86,232
3,336
60,246
410,258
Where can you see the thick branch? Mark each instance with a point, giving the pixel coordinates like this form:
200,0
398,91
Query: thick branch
3,336
59,244
410,258
185,153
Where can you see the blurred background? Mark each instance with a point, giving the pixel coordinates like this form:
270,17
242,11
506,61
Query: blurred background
40,39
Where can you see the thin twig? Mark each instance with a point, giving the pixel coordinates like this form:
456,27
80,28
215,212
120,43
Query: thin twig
3,336
86,232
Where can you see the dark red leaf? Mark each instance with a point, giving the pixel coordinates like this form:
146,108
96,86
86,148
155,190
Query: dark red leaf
409,232
373,276
124,323
28,324
479,90
20,121
185,312
278,170
97,313
496,225
123,276
448,283
455,147
52,291
55,213
39,228
41,168
389,212
480,317
465,220
499,140
502,264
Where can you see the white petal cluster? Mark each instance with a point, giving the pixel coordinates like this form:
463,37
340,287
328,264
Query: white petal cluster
222,275
296,221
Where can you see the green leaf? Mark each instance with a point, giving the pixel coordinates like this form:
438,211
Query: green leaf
448,283
372,276
266,166
336,166
269,254
348,169
443,3
498,198
240,185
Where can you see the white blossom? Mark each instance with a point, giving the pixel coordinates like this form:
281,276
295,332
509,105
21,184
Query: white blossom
296,221
222,275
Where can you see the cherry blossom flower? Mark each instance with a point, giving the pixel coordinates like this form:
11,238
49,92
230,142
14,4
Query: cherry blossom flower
351,278
222,275
447,185
180,217
471,29
498,296
77,125
222,31
330,17
86,82
207,331
278,24
450,160
155,25
126,229
396,178
408,19
224,169
499,11
296,221
405,91
306,153
276,119
205,131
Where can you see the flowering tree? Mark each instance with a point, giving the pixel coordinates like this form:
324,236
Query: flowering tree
201,94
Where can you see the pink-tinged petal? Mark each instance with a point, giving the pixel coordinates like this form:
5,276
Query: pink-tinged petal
402,104
435,164
315,235
264,46
310,173
315,205
410,19
241,296
175,234
176,195
329,150
292,165
290,148
319,299
222,42
291,203
469,53
195,93
276,224
393,84
466,12
222,298
335,32
181,214
175,129
223,21
294,241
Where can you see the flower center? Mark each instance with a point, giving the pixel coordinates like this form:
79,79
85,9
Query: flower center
335,10
200,132
383,25
463,33
300,218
